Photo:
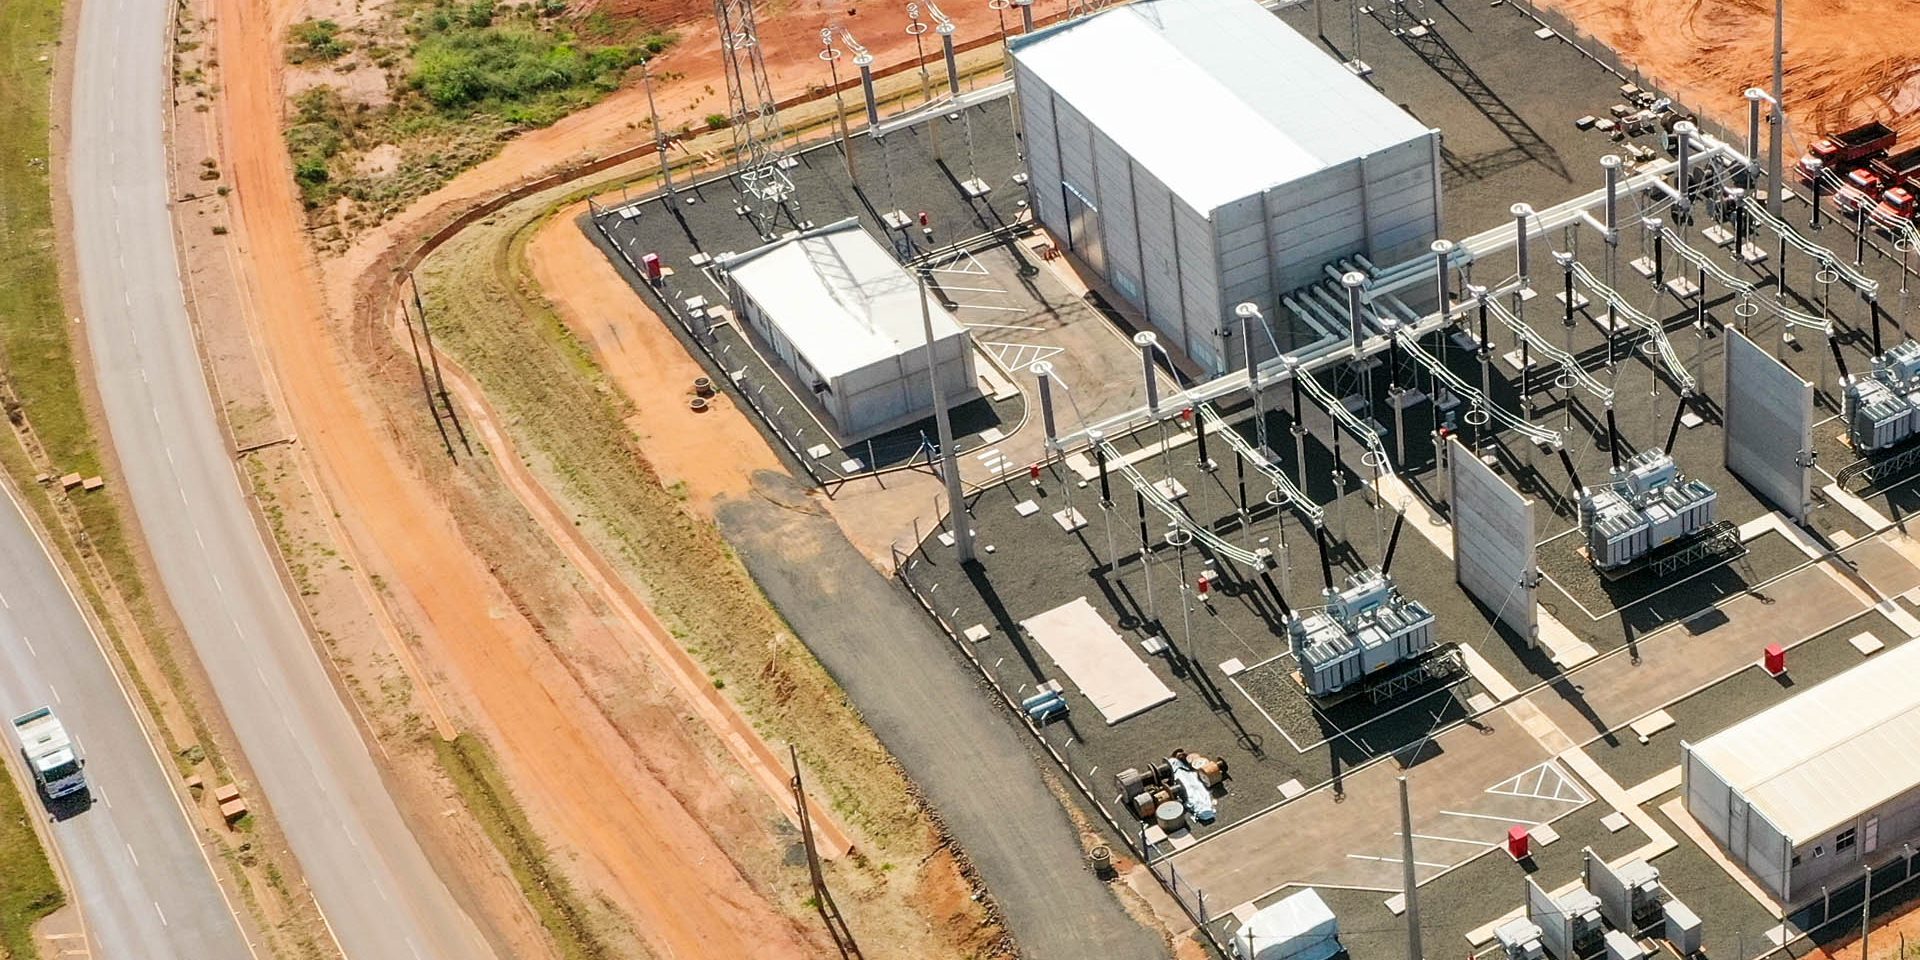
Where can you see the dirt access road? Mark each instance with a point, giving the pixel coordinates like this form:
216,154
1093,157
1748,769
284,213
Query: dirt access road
1841,67
665,873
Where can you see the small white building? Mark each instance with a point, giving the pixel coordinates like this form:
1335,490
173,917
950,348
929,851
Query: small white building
1800,794
1198,154
843,319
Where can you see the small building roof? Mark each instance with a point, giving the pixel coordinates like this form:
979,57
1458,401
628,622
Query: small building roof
1219,99
839,297
1828,755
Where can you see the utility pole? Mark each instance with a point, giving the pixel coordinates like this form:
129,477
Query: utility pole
1776,153
822,897
659,135
949,462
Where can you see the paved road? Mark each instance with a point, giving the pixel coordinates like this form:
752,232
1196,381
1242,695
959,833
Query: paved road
974,764
145,888
381,897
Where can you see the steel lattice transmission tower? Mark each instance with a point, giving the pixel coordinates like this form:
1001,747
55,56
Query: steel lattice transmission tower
759,157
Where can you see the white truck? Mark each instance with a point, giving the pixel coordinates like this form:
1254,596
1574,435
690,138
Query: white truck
50,753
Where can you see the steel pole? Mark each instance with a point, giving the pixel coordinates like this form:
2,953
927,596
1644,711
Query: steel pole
1776,151
956,498
1409,884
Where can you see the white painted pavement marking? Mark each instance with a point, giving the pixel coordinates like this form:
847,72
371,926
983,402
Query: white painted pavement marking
1483,816
162,913
56,692
1417,863
134,856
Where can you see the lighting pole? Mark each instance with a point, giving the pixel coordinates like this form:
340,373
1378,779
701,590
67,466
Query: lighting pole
950,463
1775,152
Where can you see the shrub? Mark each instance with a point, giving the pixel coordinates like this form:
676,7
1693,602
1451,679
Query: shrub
315,40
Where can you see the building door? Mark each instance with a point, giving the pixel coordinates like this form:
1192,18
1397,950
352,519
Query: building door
1083,228
1870,836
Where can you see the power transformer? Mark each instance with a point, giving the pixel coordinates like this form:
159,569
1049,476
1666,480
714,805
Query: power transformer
1645,505
1882,406
1365,627
1586,929
1644,896
1520,939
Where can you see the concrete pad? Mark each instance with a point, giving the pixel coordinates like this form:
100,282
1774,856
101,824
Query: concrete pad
1654,786
1070,519
1867,644
1614,822
1652,723
819,451
851,465
1291,789
1170,488
1396,904
1026,508
1860,509
1232,667
1544,835
1484,674
992,435
977,632
1481,703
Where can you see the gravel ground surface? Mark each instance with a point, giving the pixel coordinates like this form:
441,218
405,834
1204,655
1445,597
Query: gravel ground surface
974,763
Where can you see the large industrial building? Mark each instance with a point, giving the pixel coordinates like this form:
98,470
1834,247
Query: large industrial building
840,315
1801,793
1198,154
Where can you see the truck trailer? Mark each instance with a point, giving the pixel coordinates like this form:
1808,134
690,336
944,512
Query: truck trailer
1840,151
51,755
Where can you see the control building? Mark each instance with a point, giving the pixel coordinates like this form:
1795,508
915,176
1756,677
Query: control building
1800,794
1197,154
842,321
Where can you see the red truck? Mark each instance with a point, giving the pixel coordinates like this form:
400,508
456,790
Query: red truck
1899,177
1839,151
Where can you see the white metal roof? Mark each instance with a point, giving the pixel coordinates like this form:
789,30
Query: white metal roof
1830,754
1219,99
839,297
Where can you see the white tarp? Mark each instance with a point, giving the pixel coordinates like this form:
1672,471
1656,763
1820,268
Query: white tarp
1097,660
1301,927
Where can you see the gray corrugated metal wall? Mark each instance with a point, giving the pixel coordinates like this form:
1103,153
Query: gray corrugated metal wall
1185,269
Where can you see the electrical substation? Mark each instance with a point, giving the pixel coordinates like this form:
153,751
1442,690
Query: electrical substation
1381,473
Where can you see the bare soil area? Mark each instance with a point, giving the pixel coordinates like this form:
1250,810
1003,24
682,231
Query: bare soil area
1840,69
704,455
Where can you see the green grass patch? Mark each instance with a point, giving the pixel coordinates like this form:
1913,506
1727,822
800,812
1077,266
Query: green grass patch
28,890
463,78
470,765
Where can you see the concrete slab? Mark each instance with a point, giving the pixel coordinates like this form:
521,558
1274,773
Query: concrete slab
1652,723
1867,644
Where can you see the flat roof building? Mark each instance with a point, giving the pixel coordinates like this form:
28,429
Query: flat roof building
1805,790
844,319
1198,154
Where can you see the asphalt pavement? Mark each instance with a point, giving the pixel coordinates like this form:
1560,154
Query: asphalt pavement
976,767
144,885
381,897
